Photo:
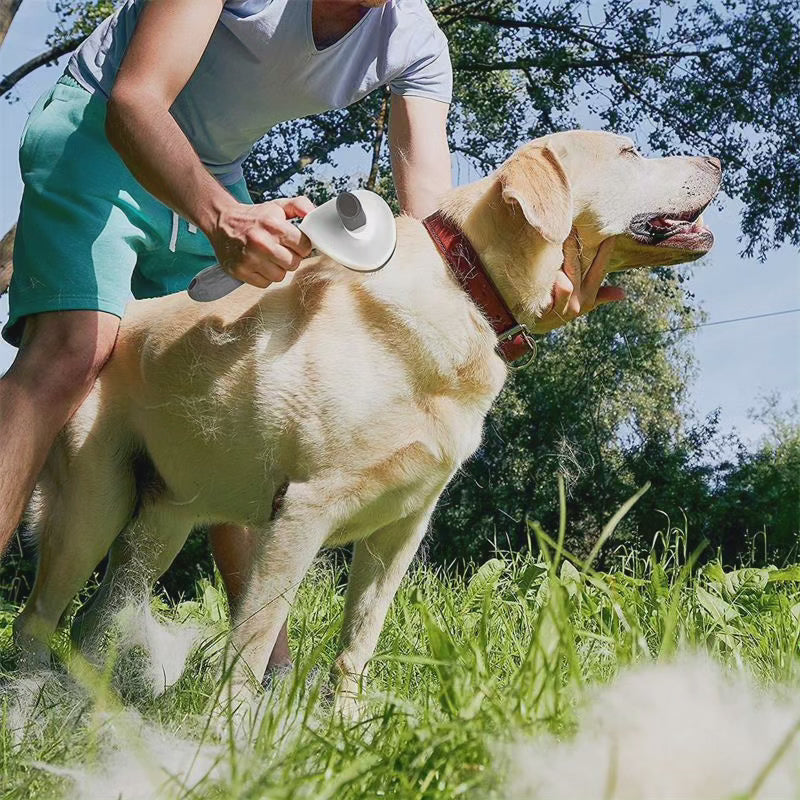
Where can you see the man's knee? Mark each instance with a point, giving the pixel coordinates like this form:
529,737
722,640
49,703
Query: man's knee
66,350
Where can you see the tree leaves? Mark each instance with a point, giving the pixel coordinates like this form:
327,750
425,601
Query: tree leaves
702,77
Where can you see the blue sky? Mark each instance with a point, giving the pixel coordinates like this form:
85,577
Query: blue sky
738,363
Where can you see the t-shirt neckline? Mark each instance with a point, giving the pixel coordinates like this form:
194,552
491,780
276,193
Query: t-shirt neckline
310,30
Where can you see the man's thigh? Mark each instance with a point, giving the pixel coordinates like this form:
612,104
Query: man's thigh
63,347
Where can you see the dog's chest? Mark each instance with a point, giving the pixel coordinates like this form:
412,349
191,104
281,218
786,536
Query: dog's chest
397,469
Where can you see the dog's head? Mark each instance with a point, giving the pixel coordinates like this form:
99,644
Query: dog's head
594,186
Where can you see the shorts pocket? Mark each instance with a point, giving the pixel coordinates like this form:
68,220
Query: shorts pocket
51,117
29,131
33,114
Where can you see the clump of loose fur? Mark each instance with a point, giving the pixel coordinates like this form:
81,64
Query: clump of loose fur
683,730
165,645
139,761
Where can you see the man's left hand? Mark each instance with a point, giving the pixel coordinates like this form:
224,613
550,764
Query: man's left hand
575,294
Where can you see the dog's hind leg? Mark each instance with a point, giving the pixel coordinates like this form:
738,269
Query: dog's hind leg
138,557
86,497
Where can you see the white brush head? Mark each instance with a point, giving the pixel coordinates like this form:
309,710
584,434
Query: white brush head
357,229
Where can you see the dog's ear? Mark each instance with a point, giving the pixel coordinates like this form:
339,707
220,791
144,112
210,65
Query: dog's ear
534,180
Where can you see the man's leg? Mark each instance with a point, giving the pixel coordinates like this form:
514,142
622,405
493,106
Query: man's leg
61,354
233,548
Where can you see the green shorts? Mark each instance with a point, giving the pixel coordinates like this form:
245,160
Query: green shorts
89,235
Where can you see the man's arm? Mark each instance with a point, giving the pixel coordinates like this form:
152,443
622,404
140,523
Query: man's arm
420,153
255,243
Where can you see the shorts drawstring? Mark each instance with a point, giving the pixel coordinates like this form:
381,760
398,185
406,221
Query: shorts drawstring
173,239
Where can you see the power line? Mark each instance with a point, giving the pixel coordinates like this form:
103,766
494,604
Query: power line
721,322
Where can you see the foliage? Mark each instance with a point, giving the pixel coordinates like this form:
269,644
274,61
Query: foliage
714,76
464,665
78,18
758,496
603,397
747,509
604,404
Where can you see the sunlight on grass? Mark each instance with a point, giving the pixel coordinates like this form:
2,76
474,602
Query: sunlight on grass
470,664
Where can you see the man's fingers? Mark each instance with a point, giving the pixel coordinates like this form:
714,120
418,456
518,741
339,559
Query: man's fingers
295,207
266,246
275,222
563,291
609,294
268,271
254,279
294,239
572,261
598,270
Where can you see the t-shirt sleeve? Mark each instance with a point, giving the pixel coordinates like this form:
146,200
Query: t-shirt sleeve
431,76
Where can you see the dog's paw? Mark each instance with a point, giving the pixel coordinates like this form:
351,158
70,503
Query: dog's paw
275,676
31,648
349,707
236,710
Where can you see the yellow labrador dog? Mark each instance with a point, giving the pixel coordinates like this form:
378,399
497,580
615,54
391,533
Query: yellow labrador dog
359,395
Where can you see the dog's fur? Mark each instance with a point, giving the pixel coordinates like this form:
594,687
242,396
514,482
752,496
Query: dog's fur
359,394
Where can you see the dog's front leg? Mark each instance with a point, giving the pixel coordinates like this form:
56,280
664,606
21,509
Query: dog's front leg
379,564
283,553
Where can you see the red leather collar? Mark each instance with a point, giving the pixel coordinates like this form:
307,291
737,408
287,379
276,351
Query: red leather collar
514,341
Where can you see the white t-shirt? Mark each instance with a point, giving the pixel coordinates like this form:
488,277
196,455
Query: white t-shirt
261,67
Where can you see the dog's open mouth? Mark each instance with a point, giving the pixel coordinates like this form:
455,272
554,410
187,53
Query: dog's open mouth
675,230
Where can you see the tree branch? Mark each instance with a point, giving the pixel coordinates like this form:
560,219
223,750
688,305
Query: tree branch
8,8
324,145
13,78
377,142
454,12
590,63
674,119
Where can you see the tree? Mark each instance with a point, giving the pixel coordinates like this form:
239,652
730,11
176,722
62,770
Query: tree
757,498
8,8
605,402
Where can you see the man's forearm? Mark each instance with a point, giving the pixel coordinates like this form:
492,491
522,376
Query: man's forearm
420,198
421,178
420,154
159,155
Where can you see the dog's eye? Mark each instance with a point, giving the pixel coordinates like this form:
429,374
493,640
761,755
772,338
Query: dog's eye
630,151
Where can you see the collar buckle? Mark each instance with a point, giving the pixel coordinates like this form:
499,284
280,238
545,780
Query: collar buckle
511,334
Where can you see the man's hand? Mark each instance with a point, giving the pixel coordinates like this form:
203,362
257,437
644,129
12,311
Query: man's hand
257,244
574,294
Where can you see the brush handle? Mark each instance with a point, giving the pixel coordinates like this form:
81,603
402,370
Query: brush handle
211,284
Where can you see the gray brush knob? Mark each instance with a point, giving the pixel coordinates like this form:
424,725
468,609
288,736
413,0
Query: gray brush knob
350,211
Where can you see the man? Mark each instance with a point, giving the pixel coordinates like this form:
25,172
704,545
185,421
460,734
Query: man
132,171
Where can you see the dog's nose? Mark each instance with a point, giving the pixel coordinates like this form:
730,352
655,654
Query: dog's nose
714,163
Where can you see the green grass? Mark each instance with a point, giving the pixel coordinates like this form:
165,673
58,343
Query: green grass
464,664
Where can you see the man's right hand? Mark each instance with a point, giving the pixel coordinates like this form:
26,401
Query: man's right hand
257,244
